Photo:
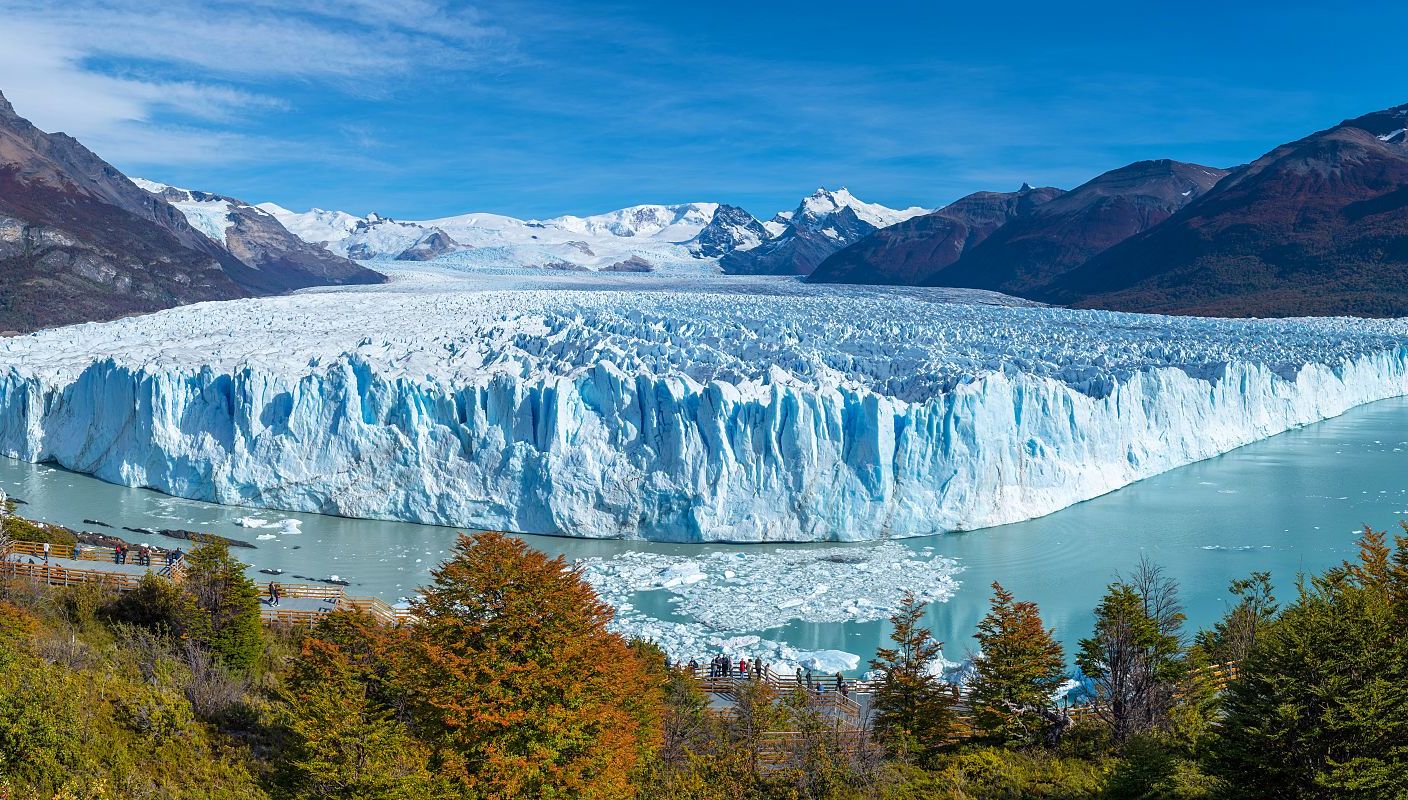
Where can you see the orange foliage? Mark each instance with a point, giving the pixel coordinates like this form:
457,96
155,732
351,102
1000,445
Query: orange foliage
511,659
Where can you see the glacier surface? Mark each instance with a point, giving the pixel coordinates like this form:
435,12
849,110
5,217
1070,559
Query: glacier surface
706,409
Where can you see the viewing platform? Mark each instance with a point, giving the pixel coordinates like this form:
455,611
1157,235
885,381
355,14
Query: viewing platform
73,565
69,565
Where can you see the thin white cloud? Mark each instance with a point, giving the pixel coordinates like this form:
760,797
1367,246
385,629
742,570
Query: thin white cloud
99,69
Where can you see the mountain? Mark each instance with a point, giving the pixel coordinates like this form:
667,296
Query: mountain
1068,230
431,245
79,242
731,229
654,234
917,249
281,260
823,223
1317,226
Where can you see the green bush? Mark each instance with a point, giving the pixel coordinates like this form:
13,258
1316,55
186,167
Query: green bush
994,773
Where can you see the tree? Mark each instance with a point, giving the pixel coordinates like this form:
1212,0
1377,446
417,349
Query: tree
1320,706
1235,635
230,603
162,606
1134,655
512,666
912,707
340,744
1020,668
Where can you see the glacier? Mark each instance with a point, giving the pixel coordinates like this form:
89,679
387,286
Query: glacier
640,406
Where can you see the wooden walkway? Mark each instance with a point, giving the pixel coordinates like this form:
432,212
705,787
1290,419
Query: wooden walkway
300,604
71,565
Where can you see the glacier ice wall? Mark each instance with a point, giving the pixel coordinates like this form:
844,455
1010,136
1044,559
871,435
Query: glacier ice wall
603,451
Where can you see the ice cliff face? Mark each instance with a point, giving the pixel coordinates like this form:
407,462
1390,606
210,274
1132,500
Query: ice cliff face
803,413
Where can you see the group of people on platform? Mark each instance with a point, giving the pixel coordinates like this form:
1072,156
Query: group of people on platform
144,555
120,554
722,666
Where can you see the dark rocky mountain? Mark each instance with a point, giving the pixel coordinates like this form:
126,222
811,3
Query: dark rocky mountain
80,242
281,261
432,245
918,249
1317,226
1065,232
825,222
632,264
731,229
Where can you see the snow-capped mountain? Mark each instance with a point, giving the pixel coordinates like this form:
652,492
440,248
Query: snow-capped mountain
823,203
642,236
823,223
257,238
731,229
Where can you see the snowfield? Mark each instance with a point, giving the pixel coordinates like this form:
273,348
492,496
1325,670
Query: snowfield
694,408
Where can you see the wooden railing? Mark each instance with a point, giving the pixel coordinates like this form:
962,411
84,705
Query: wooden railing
26,560
336,599
22,559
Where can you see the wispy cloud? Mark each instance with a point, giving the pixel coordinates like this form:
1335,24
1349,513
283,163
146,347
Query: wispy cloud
100,69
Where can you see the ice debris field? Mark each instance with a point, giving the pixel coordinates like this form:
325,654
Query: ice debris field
724,599
675,408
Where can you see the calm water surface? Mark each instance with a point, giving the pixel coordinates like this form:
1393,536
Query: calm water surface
1290,504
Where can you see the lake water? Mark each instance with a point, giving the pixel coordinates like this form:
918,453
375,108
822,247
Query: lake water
1290,504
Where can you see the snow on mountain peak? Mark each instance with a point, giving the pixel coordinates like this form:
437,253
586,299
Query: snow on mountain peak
207,213
824,202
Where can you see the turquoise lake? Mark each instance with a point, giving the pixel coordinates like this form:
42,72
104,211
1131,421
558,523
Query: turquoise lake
1290,504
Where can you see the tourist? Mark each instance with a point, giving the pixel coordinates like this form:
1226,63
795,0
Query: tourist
46,552
273,593
77,550
118,555
743,668
757,669
693,667
728,666
144,556
809,678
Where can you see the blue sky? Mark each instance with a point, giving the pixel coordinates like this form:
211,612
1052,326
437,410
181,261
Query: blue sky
418,109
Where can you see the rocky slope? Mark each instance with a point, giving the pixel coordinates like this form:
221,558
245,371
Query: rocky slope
281,261
80,242
1058,236
916,250
731,229
1316,226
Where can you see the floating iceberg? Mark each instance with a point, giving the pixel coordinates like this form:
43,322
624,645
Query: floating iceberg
725,599
718,410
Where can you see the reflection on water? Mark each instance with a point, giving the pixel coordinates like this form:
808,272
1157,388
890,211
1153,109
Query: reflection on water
1290,504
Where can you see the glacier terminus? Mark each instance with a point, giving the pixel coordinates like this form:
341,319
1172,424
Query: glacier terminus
670,407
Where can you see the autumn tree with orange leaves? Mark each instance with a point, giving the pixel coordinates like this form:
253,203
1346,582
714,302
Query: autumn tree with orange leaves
512,666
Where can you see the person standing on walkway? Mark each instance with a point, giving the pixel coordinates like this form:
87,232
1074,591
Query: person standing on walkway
46,552
743,668
273,593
